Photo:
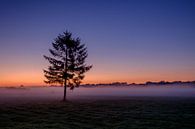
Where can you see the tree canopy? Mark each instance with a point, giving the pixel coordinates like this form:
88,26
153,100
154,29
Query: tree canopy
67,64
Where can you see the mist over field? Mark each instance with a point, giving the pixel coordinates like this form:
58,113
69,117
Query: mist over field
98,107
40,94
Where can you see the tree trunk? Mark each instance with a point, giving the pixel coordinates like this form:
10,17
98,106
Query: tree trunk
64,99
65,82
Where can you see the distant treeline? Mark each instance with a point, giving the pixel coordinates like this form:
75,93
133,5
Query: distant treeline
160,83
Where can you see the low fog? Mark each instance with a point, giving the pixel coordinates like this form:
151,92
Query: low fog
40,94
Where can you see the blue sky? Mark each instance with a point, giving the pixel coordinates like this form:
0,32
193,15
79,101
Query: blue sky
128,40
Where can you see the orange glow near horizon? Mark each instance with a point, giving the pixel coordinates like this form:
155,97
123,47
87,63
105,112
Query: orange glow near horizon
19,72
35,78
22,78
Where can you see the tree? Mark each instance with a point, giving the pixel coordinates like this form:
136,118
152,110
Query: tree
67,67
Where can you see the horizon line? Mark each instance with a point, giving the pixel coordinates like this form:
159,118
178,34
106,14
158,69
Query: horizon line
111,83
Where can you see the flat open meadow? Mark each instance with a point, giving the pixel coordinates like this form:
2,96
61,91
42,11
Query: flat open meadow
117,113
103,112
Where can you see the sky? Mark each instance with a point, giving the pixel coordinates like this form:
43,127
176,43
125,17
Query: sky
127,40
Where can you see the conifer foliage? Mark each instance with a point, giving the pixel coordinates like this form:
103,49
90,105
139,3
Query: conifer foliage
67,64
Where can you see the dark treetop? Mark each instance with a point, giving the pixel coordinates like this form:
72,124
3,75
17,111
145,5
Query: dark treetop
68,63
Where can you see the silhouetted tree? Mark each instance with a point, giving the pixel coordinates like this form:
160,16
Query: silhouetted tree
68,63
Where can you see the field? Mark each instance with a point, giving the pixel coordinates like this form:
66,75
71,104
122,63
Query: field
115,113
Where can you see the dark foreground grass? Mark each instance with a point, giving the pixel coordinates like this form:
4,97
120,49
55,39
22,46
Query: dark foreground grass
132,113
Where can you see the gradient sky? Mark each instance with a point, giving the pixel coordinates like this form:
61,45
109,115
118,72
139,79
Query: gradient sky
127,40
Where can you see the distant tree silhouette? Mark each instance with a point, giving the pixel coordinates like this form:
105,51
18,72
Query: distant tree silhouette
68,63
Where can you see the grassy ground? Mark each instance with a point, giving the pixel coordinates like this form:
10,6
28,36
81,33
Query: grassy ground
134,113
